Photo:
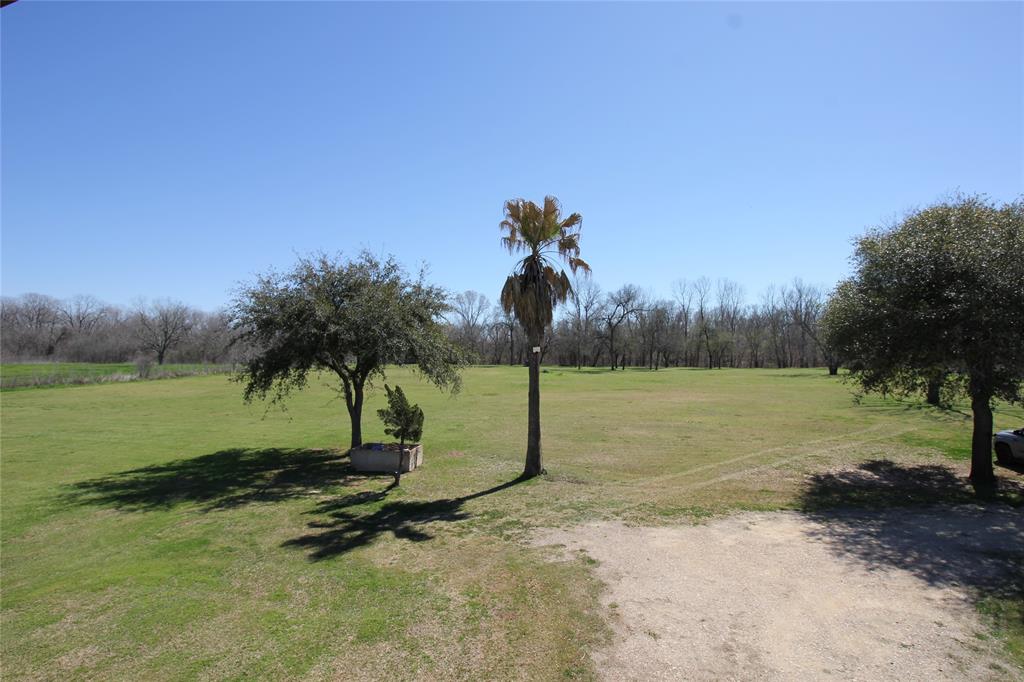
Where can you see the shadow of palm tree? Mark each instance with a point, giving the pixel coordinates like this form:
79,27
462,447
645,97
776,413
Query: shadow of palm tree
406,520
941,531
223,479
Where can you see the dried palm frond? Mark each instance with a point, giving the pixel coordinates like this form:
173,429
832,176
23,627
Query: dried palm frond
536,285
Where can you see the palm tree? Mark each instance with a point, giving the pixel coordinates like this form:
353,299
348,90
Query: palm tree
537,285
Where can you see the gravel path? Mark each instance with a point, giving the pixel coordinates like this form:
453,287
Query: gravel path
784,596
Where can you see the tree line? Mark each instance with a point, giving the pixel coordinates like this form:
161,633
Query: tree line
706,323
36,327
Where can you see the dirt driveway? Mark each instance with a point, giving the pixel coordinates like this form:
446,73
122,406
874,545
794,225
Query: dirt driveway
786,596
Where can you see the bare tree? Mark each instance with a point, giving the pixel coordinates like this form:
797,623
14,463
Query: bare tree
775,314
729,298
705,322
505,328
684,291
583,314
620,307
753,329
468,313
161,326
807,307
82,313
33,326
653,321
210,338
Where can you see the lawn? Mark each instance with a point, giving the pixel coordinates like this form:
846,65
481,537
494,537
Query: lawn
38,374
164,530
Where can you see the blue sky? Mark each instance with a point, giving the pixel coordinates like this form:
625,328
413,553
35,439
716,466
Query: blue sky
175,149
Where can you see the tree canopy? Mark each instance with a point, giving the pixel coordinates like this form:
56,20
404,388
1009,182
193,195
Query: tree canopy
349,317
941,291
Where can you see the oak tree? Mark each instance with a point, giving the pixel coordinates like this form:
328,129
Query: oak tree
943,290
352,318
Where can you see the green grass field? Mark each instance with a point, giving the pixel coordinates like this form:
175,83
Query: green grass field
44,374
164,530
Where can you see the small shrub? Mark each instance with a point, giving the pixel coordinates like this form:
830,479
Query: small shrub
143,366
402,420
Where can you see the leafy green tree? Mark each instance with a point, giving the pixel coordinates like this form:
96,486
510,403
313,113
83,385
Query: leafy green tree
352,318
402,420
942,291
536,286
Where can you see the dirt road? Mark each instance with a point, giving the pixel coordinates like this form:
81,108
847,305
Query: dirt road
785,596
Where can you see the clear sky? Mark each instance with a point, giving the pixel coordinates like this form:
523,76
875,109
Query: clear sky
174,149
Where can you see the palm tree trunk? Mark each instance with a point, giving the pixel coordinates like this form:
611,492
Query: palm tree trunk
533,451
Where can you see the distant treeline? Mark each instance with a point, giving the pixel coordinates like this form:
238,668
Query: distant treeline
705,324
35,327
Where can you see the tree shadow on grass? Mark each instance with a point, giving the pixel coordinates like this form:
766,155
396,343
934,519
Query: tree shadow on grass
345,530
925,520
900,406
1011,466
221,480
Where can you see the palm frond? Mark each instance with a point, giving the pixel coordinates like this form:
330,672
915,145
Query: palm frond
513,209
552,209
579,264
535,286
509,293
569,244
572,221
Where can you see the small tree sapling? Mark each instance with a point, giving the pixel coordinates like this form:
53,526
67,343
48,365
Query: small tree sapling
402,421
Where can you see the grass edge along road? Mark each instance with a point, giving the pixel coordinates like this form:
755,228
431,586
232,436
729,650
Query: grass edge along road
165,530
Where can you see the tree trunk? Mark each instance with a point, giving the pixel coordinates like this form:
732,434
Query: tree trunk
533,458
398,471
160,357
981,441
933,393
833,370
355,413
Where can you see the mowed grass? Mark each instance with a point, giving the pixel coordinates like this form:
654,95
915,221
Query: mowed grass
48,374
164,530
15,370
